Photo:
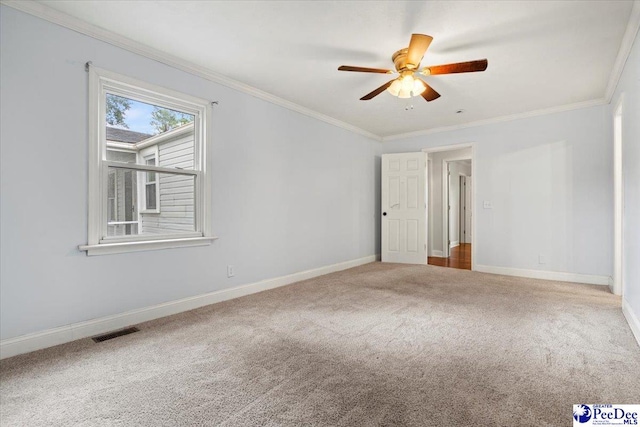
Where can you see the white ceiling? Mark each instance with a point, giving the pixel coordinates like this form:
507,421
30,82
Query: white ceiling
541,54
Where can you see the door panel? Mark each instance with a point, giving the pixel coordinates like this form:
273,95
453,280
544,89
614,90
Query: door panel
394,191
404,195
394,235
412,192
413,239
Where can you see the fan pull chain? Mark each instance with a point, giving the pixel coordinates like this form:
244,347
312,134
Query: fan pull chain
409,106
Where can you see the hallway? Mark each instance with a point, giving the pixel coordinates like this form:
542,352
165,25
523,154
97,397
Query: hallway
460,257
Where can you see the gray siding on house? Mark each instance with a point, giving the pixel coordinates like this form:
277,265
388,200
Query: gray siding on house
176,192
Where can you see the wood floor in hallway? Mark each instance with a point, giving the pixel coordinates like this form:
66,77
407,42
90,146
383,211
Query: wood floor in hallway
459,257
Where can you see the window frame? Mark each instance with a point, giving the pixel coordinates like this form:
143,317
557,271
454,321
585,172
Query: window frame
102,82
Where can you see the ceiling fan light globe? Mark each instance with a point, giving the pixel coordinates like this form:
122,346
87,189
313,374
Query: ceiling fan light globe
418,87
406,87
407,83
395,87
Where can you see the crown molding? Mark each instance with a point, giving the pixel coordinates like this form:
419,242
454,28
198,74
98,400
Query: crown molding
45,12
501,119
625,50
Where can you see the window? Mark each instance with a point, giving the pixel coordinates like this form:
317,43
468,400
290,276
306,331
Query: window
148,182
151,193
150,189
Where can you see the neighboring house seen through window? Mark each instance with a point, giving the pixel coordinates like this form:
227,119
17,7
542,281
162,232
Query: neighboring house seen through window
149,186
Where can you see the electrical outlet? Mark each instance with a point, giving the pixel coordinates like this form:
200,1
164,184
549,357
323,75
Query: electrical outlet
542,259
230,271
487,204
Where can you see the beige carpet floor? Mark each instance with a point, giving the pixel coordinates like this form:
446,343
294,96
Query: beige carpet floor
381,344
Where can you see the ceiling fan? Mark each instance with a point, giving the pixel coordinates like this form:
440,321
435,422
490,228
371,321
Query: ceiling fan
407,63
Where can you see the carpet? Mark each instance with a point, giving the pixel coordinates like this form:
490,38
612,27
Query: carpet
380,344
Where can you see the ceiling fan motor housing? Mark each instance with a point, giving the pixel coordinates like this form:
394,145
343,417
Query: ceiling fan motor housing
400,59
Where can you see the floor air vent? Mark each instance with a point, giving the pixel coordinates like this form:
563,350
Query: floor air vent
116,334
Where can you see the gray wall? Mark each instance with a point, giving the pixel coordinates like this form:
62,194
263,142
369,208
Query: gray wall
549,179
629,85
290,193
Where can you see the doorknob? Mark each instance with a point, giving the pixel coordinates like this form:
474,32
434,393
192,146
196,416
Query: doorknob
384,214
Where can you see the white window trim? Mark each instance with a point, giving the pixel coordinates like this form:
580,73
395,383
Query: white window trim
103,81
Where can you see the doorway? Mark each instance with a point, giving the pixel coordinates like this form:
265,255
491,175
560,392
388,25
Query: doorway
451,208
618,205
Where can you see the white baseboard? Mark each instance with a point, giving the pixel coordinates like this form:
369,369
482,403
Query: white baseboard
633,321
543,274
610,283
438,254
454,244
39,340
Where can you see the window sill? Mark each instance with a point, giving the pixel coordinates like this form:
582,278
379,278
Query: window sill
147,245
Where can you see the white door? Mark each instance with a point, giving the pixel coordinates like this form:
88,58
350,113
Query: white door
404,209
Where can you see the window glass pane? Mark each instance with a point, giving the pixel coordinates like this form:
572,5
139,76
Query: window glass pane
151,176
133,126
150,192
111,186
175,212
122,229
121,156
111,209
121,195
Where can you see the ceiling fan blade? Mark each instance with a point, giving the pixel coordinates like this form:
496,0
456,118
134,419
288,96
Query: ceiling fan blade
417,48
377,91
459,67
364,69
430,94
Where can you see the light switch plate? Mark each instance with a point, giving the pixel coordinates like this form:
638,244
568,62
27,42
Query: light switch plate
487,204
